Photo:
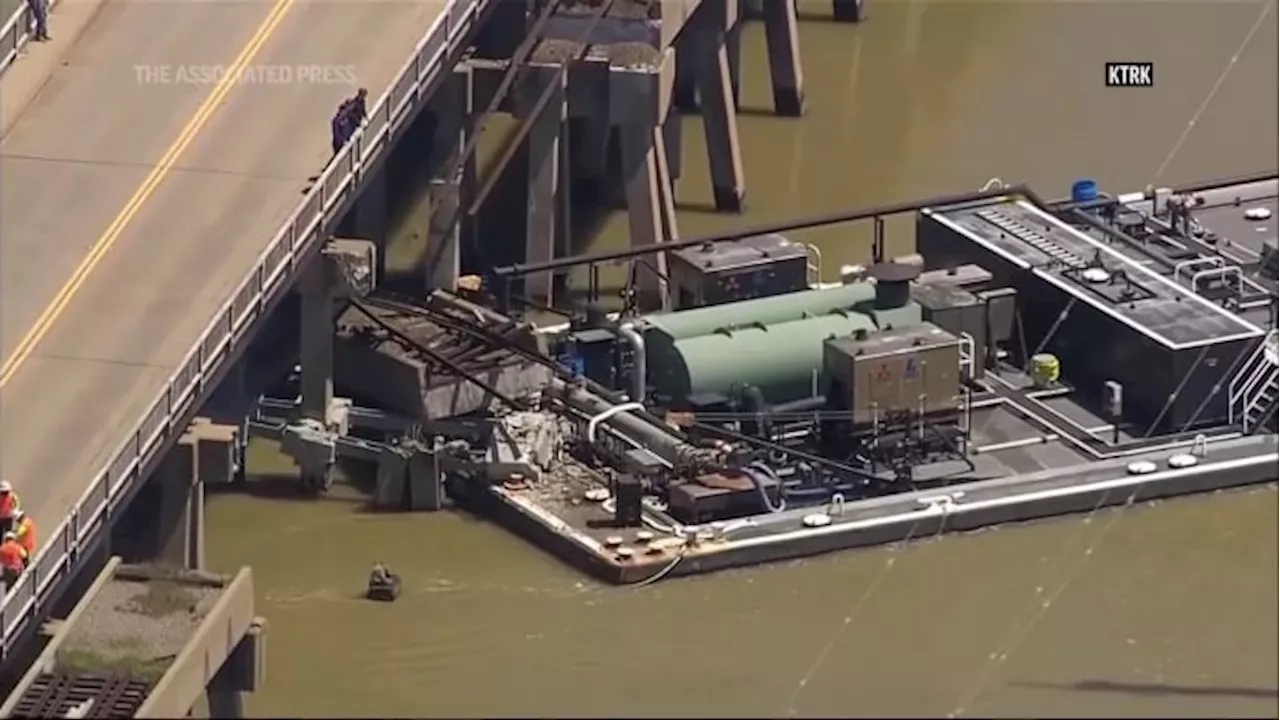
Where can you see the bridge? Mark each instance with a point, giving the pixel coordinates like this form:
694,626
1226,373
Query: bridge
159,194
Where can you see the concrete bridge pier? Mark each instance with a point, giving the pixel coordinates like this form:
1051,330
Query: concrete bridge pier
783,51
639,115
165,523
453,116
852,11
372,211
343,268
545,176
783,41
710,23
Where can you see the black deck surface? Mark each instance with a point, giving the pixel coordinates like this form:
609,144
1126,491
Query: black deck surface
1160,308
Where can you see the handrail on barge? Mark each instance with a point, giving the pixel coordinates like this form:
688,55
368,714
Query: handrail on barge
302,234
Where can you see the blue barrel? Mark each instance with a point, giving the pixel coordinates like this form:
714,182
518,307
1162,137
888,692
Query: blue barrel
1083,191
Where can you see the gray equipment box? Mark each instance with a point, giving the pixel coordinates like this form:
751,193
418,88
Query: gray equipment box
913,370
750,267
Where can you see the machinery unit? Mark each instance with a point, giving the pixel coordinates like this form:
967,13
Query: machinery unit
886,376
750,267
959,312
1105,315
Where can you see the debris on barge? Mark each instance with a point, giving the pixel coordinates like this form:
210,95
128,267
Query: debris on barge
1033,359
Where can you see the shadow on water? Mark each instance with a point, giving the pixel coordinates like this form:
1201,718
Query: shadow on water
1155,689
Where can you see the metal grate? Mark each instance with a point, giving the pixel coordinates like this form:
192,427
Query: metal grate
56,695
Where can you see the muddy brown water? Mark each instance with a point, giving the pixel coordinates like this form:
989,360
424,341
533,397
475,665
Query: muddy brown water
1167,610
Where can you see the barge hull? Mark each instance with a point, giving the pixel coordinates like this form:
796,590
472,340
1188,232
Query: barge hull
904,517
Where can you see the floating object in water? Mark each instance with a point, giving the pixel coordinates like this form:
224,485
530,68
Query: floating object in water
384,585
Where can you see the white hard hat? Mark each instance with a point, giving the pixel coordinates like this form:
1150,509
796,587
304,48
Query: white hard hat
10,535
5,486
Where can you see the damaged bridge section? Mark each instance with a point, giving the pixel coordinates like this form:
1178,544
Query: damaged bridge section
407,363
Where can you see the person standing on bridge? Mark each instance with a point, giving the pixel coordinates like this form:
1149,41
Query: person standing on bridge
351,113
9,505
25,530
339,128
39,19
13,559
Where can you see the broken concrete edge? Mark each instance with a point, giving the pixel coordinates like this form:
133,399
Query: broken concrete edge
211,644
47,661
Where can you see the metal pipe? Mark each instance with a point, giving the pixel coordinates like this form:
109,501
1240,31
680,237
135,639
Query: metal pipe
765,229
664,444
640,369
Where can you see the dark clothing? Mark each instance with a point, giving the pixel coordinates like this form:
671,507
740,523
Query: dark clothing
356,111
39,18
340,127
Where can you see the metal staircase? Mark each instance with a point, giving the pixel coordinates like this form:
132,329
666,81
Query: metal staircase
1255,388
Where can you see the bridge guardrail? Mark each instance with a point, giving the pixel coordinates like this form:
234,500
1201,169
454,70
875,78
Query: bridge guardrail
15,33
301,234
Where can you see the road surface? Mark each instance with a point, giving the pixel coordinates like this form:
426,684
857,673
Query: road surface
103,126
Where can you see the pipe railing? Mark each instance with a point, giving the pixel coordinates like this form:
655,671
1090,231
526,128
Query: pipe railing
301,235
16,33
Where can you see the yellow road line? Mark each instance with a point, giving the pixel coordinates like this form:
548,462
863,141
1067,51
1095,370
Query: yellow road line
113,232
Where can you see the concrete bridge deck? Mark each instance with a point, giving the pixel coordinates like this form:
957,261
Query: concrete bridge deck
132,205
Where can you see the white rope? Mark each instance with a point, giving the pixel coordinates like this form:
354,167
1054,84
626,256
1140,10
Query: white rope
1213,91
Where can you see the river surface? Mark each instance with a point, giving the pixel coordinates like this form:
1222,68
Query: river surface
1166,610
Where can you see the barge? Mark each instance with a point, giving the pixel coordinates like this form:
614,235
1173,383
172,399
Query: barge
1030,359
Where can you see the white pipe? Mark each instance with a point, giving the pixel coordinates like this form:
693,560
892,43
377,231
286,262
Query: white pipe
595,420
639,367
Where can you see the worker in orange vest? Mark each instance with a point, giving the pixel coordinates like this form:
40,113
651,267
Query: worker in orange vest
25,530
9,504
13,559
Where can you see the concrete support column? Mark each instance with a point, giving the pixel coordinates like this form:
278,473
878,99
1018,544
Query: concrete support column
686,85
453,112
180,516
733,52
650,209
783,41
225,699
720,117
318,286
373,209
343,268
848,10
204,454
545,173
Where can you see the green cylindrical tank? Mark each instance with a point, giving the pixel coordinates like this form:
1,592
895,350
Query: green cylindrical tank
767,311
780,359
